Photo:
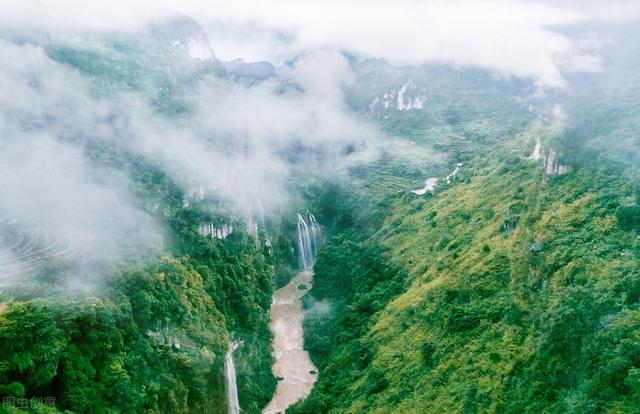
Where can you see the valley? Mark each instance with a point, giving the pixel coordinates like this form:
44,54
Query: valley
263,210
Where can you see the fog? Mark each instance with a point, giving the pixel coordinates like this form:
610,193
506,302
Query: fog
245,143
514,38
54,202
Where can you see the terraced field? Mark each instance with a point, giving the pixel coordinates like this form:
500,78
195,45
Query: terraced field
25,251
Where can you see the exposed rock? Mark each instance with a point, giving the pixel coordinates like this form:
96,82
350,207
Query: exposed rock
408,97
193,195
537,152
249,73
218,232
552,167
184,33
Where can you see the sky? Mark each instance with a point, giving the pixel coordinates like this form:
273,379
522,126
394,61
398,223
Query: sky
514,38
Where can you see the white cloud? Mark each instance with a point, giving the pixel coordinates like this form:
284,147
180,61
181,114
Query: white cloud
514,38
48,186
237,140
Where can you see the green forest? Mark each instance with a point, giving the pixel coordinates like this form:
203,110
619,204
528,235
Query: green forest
507,291
155,340
509,284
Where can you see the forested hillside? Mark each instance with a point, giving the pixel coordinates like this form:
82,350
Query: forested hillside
155,339
145,331
418,207
508,290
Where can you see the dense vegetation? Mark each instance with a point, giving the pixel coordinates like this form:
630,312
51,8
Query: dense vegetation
506,291
155,340
152,335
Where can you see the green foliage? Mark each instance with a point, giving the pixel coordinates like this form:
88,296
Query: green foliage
31,344
155,341
519,293
629,217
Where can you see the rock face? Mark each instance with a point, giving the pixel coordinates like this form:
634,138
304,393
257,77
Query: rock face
249,73
184,33
552,167
194,194
406,98
551,164
537,152
219,232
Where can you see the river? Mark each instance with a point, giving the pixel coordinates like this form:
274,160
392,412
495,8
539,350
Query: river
292,362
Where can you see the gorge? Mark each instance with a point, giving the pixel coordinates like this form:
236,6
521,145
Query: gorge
293,367
349,208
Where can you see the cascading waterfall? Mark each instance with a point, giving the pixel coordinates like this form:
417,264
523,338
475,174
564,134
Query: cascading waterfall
292,363
309,241
230,372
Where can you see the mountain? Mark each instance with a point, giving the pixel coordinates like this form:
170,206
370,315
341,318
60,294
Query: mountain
251,72
184,33
512,285
474,239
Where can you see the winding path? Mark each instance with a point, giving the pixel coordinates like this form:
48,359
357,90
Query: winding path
292,362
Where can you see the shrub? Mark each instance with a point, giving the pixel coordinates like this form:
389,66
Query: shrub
629,217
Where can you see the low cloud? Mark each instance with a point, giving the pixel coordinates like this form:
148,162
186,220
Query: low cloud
247,145
55,203
513,38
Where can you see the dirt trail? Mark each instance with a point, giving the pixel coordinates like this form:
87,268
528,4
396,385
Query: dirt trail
292,363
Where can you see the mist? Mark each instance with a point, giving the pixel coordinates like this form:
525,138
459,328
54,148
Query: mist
519,38
245,145
146,82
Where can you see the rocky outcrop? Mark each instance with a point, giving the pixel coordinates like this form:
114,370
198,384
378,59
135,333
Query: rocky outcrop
406,98
553,167
248,73
195,194
218,232
551,164
184,33
536,154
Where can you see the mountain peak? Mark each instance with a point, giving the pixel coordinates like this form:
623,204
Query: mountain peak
184,33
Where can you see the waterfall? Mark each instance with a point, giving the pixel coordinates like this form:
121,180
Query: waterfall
230,373
309,241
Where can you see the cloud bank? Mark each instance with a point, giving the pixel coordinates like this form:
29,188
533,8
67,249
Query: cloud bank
514,38
246,145
54,202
